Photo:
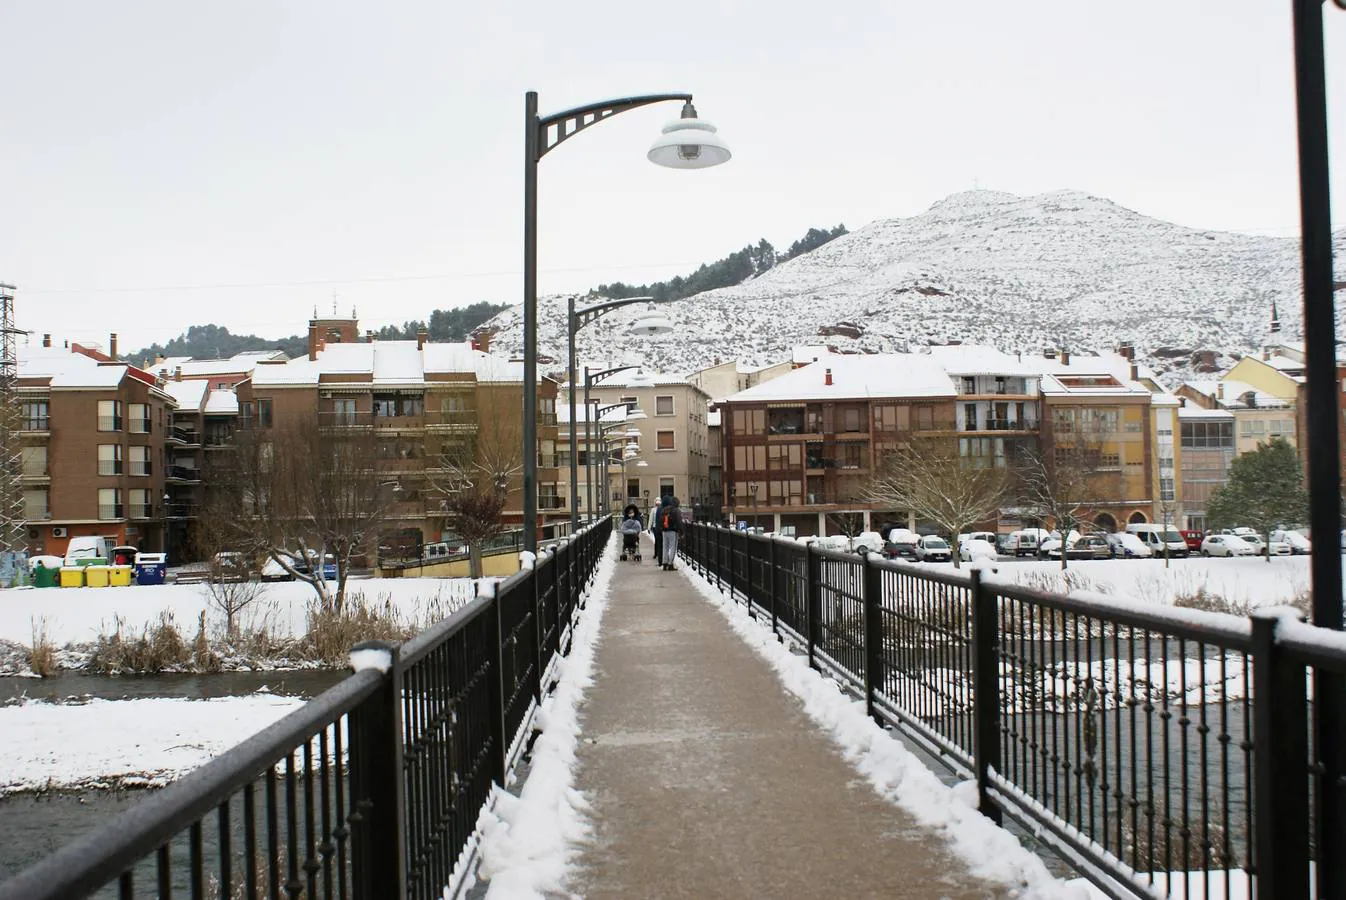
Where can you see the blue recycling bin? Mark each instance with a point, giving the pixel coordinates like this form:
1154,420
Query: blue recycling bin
150,568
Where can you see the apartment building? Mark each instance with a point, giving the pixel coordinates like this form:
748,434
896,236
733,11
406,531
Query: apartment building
1100,404
798,449
94,449
425,402
724,379
997,407
1208,447
1259,416
673,441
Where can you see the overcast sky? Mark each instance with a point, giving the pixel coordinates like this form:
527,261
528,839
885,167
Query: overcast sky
165,163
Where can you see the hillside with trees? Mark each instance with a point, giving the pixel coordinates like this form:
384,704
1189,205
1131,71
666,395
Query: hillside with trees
216,341
735,268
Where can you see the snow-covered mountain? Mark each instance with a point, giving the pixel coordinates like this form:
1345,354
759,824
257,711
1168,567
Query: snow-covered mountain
1063,269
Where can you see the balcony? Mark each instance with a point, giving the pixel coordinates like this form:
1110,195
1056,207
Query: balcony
452,420
180,510
36,425
139,426
179,474
345,419
142,468
413,423
35,475
111,511
36,513
218,438
550,501
109,423
142,511
109,467
179,435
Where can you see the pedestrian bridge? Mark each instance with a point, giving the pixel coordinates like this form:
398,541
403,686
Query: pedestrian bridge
751,725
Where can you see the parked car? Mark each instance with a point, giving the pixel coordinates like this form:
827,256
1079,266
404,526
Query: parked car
1050,546
932,548
1091,546
1298,544
868,541
1193,539
1226,545
977,549
229,566
1127,546
901,544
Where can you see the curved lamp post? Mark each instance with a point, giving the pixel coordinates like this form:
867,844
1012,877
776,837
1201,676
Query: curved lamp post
577,318
590,379
688,143
591,459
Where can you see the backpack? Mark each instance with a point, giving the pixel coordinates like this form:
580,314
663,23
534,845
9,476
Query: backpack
664,523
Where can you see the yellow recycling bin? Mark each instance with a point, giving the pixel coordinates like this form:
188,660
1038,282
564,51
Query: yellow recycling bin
72,576
97,576
119,576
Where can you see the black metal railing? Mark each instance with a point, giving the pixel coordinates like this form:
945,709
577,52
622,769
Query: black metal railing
1125,736
371,790
181,473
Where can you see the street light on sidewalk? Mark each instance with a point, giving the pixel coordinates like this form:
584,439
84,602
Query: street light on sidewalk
591,459
687,143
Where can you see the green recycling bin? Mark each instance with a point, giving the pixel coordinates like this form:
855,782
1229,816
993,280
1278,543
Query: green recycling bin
46,577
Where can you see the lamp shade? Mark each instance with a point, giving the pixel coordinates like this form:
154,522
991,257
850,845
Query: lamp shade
651,324
640,379
635,415
633,433
641,464
632,447
688,143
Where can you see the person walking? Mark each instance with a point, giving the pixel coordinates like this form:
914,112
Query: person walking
670,524
656,530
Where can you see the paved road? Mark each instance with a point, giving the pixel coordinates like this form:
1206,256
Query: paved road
707,779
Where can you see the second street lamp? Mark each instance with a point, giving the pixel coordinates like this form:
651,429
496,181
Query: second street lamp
688,143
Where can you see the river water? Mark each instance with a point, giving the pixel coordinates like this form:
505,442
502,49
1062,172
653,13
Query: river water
33,825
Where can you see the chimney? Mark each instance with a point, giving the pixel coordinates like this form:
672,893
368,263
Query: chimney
481,340
1127,350
369,336
314,341
1049,353
827,376
1219,390
177,374
46,340
112,346
1135,372
1266,355
1065,357
421,335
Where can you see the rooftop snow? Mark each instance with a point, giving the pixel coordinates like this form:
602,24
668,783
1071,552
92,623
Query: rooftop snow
1235,392
1196,412
856,376
68,369
189,394
979,359
391,362
221,403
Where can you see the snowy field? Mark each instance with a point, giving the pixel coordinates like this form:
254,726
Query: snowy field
124,743
79,615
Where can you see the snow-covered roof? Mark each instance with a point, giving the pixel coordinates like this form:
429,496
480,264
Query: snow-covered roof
1236,393
241,362
807,353
979,359
647,380
221,403
1100,375
854,377
189,395
390,363
1196,412
68,369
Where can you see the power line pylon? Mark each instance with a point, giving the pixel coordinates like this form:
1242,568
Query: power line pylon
13,531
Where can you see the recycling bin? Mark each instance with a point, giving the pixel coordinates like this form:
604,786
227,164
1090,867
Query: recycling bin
46,577
97,576
151,568
119,576
72,576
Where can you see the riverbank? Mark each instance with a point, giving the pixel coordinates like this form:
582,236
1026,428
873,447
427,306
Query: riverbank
183,628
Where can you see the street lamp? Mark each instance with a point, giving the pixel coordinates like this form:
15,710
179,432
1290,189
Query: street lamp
590,459
577,318
689,143
752,489
592,378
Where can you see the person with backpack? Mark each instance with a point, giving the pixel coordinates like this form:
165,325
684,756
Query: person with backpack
670,523
656,517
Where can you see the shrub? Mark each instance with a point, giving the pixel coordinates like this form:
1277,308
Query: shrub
332,633
157,648
42,655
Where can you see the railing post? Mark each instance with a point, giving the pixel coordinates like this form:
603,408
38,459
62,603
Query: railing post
751,583
377,845
495,682
1280,766
771,582
814,586
733,565
539,625
985,693
873,622
719,532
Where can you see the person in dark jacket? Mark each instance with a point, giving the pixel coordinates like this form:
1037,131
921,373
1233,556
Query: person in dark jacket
670,523
656,517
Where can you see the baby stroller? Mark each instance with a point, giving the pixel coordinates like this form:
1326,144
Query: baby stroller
631,527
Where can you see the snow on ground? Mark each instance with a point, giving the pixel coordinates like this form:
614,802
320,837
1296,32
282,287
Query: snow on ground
121,743
1250,581
894,772
79,615
530,841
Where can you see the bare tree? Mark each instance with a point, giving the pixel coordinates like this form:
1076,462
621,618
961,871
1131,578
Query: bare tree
299,492
475,474
230,586
1063,482
929,478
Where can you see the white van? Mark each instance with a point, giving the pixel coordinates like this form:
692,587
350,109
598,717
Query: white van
1025,541
1157,538
88,548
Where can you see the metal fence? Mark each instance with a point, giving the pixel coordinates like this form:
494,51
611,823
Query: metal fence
1125,736
371,790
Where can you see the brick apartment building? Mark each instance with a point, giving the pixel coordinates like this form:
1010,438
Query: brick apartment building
94,451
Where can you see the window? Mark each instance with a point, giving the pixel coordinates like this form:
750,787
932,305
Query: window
663,440
850,419
109,503
853,455
1207,435
749,458
969,417
969,384
546,410
141,504
385,406
140,460
109,415
925,417
35,415
36,504
666,487
264,412
138,415
891,418
632,404
663,406
1166,489
33,460
109,459
749,421
785,421
783,456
